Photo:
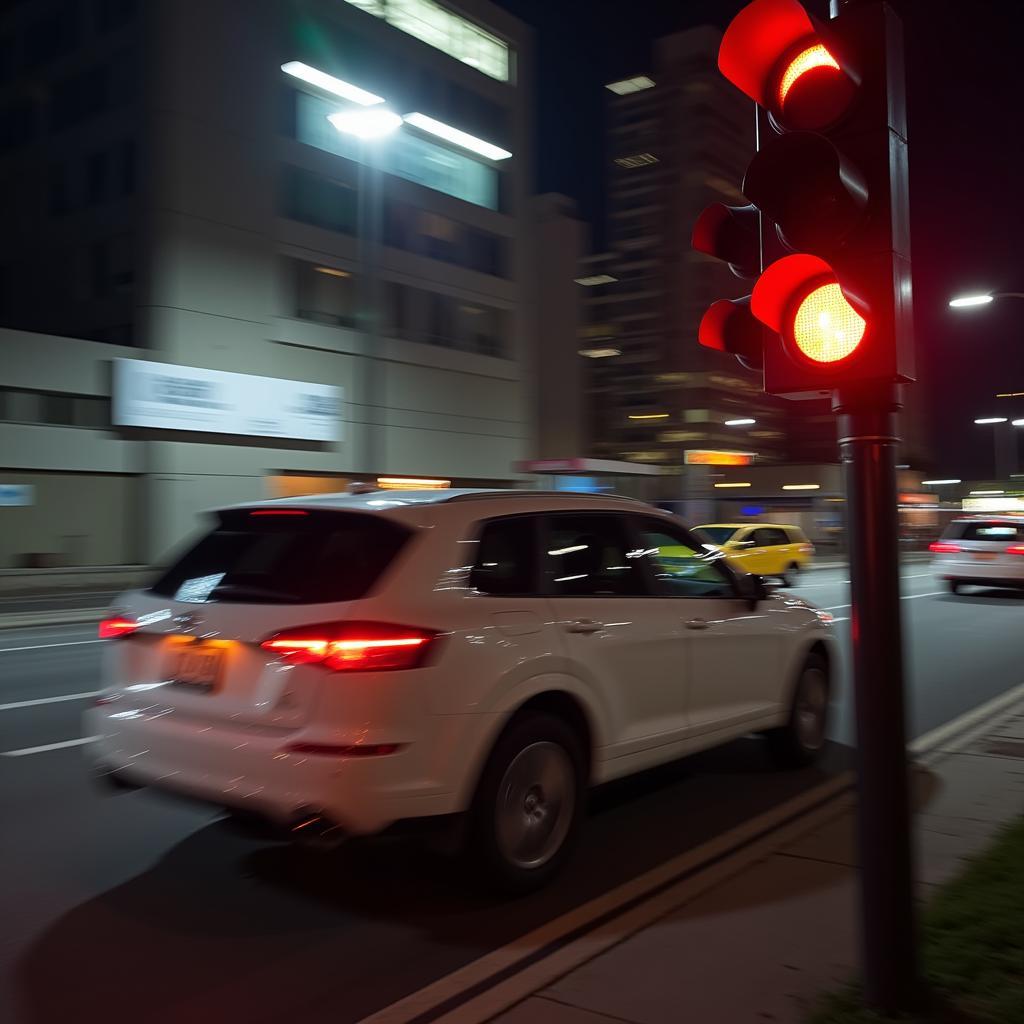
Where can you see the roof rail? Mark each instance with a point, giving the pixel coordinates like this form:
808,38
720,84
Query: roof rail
475,495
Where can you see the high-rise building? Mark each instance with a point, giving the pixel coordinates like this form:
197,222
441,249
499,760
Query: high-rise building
679,138
180,208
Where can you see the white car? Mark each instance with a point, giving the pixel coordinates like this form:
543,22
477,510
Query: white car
340,663
986,551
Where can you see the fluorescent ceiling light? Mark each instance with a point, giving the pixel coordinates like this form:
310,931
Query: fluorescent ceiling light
1010,394
366,124
648,415
1017,423
459,138
732,485
332,271
627,85
589,282
939,483
740,423
600,353
801,487
335,86
970,300
987,492
991,419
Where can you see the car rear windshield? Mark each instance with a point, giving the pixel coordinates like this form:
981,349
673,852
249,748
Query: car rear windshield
996,532
263,556
715,534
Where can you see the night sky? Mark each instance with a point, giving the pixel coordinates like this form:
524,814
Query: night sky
965,85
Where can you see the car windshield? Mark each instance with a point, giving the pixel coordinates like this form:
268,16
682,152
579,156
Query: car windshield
715,534
997,532
254,556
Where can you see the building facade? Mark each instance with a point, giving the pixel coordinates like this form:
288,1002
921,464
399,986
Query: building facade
679,139
177,198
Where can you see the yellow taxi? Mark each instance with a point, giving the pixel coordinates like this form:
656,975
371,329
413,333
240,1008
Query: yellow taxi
768,549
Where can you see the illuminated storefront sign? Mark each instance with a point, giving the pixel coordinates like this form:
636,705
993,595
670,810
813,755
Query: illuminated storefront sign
699,457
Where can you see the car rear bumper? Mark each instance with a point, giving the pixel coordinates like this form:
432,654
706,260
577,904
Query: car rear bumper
251,769
981,572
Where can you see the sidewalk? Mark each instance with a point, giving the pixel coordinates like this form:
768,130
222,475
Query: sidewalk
784,928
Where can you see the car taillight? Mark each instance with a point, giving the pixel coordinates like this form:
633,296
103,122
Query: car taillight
807,549
116,626
352,646
941,547
1015,549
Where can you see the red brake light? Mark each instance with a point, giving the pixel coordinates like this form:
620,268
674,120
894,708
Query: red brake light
944,548
1015,549
112,628
353,646
279,512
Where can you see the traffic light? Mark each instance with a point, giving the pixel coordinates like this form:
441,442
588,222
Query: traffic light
828,195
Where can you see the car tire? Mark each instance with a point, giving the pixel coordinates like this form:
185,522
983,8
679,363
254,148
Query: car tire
802,739
954,586
791,575
529,804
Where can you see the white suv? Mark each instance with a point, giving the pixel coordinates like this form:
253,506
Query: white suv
340,663
986,551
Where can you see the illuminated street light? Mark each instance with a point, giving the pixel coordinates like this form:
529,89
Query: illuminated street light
982,299
940,483
740,423
990,419
328,83
454,135
366,124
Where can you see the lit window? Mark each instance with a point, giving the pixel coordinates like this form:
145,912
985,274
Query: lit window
628,85
637,160
444,30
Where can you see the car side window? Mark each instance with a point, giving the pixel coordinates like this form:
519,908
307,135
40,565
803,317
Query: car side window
506,557
769,538
681,566
589,555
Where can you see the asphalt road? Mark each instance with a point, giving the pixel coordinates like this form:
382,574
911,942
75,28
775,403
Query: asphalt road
139,907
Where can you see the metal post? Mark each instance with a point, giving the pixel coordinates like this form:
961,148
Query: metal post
867,439
369,203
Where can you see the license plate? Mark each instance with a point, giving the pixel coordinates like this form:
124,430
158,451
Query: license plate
197,665
984,556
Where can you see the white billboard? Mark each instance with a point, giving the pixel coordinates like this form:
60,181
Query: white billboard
170,397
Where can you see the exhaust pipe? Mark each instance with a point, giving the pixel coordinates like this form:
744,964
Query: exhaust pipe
315,831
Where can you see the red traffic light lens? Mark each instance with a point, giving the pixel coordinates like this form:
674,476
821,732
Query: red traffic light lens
826,328
816,56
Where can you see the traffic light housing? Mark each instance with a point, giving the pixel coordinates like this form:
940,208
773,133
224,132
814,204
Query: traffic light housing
829,184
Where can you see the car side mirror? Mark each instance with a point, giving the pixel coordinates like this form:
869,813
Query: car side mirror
752,588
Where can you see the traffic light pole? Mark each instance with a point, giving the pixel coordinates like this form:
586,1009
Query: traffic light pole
868,435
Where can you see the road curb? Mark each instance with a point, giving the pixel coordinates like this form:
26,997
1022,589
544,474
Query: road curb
57,617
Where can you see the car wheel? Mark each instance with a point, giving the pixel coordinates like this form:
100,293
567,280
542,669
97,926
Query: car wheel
791,575
954,586
529,804
801,740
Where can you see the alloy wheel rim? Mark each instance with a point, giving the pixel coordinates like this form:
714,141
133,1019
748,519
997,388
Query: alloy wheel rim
810,709
536,800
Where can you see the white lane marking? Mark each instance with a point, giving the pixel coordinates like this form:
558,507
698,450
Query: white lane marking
48,700
905,597
837,583
48,746
41,647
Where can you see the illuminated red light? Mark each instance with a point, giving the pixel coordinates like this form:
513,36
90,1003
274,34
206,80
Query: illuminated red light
352,647
279,512
1015,549
816,56
344,750
826,328
944,548
111,629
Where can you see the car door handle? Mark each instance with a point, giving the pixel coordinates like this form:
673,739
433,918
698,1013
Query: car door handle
584,626
697,623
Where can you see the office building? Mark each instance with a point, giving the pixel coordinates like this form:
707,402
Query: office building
326,196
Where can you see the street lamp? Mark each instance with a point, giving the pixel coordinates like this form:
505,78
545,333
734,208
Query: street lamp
1004,443
982,299
740,423
370,125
